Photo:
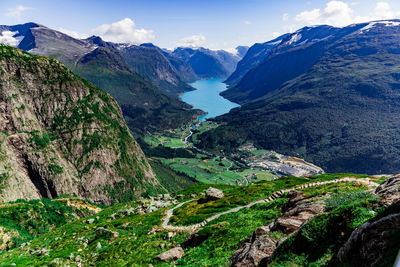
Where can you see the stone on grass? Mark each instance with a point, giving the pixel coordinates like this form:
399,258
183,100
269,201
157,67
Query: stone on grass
170,255
214,194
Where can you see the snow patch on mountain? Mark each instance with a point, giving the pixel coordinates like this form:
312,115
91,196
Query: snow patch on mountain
294,39
376,23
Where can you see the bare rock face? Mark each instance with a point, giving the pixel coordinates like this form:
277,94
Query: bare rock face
261,246
389,190
369,241
254,249
214,194
59,135
170,255
294,218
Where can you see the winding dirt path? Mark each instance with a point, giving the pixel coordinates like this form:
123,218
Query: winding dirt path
193,228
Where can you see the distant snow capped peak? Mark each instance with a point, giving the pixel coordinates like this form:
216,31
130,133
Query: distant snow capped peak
386,23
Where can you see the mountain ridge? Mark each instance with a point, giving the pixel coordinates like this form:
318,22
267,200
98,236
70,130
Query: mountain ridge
331,101
62,135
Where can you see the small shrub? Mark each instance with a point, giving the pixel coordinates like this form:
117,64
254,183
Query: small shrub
55,169
41,142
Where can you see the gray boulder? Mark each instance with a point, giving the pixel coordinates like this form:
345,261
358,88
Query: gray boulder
254,249
369,242
170,255
214,194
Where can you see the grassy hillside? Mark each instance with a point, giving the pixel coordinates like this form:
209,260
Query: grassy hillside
22,221
127,238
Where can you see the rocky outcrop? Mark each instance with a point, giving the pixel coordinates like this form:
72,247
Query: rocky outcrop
170,255
61,135
260,246
389,190
213,194
301,211
367,243
254,249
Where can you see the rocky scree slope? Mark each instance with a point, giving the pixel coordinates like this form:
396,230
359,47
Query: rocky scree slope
59,134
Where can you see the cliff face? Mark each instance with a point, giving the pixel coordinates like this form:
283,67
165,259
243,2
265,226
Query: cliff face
60,135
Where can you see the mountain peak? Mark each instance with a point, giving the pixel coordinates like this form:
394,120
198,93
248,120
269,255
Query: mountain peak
96,40
150,45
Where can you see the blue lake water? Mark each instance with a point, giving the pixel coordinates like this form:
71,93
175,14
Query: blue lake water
206,97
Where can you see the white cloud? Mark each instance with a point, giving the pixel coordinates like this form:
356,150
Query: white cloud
193,41
310,17
384,11
17,11
276,35
285,17
7,37
124,31
247,22
73,34
339,13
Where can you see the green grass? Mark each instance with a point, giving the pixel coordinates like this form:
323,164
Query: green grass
134,246
30,219
226,233
170,179
172,139
319,240
214,170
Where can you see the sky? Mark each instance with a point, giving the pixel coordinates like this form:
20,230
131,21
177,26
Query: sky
216,24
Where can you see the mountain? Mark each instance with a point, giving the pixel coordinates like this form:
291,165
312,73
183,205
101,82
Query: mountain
184,70
61,135
144,106
152,64
329,95
251,58
111,67
242,50
206,63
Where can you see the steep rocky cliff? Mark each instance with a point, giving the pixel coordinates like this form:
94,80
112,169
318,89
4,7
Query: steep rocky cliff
60,135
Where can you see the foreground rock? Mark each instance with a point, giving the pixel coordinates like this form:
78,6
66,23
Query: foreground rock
214,194
370,241
260,246
254,249
368,244
170,255
389,190
300,211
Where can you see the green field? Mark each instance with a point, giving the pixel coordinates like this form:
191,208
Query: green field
172,139
215,170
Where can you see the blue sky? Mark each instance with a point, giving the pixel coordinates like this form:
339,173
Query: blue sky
217,24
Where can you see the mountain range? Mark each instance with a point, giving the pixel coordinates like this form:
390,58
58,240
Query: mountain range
76,188
144,79
326,94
